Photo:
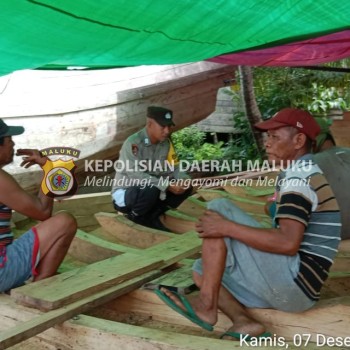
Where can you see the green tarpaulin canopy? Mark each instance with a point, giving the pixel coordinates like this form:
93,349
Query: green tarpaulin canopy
110,33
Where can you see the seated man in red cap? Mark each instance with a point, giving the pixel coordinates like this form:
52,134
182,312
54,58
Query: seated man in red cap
283,267
38,252
144,186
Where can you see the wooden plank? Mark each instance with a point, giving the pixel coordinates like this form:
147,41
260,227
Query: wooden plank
179,222
96,241
344,247
102,234
192,207
67,287
135,337
179,280
42,321
70,263
70,286
85,204
341,264
86,222
176,249
99,88
337,284
84,251
87,332
149,301
128,232
173,250
329,317
89,249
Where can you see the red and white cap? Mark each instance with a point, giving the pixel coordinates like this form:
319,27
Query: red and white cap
297,118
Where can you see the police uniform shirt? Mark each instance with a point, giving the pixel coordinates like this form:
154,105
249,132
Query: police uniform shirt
137,148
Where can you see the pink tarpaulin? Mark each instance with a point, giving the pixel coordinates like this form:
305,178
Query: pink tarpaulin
323,49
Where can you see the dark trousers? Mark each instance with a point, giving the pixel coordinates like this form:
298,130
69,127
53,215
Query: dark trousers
145,202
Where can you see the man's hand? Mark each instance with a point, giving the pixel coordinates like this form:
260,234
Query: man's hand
212,225
31,157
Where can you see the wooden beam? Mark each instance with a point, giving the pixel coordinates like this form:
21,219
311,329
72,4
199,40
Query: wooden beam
147,303
179,222
87,332
337,284
130,233
68,287
344,247
129,337
85,204
329,317
89,249
173,250
42,321
104,235
176,249
192,206
179,280
341,264
70,263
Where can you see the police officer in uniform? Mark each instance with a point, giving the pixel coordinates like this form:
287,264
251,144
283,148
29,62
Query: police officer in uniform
144,185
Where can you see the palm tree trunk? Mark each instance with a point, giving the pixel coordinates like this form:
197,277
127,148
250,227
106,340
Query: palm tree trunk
250,105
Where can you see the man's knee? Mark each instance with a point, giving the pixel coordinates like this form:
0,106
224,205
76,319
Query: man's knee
232,212
219,203
66,222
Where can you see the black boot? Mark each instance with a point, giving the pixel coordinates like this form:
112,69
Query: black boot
158,225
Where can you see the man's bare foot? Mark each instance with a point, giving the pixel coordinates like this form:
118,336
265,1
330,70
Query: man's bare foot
246,326
204,310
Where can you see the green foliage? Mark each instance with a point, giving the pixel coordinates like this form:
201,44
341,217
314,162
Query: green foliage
242,147
190,145
324,99
317,91
275,88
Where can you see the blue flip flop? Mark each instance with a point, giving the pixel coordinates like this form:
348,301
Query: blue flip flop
238,336
189,313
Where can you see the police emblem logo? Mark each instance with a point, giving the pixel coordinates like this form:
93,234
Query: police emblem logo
59,179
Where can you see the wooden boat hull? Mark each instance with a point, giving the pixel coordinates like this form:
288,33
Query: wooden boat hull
95,111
